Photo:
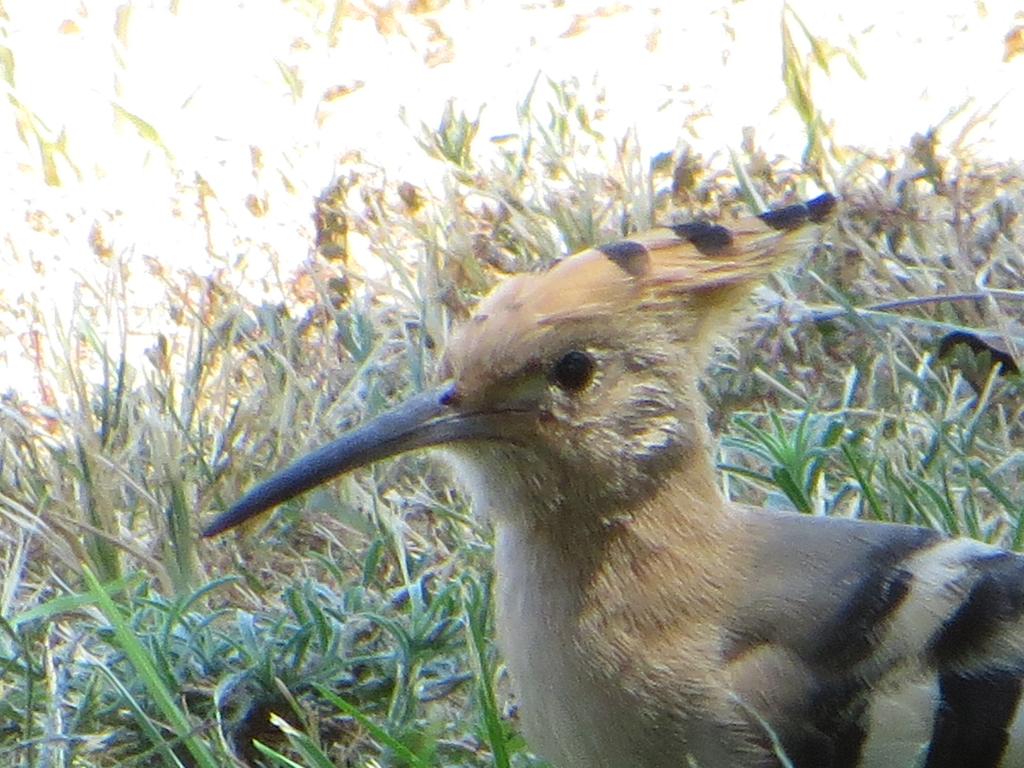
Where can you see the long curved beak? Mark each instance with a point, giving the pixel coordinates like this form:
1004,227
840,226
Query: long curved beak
429,418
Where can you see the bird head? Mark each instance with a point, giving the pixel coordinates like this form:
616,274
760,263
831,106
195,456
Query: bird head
574,390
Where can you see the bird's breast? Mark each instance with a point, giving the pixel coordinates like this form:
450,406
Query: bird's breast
563,711
587,697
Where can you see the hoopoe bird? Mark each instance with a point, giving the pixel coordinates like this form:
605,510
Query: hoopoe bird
647,621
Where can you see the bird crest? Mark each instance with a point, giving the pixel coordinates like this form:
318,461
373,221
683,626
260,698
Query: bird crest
691,275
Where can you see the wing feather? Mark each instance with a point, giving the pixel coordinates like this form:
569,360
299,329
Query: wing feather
867,623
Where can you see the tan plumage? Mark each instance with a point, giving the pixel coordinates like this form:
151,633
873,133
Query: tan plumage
648,622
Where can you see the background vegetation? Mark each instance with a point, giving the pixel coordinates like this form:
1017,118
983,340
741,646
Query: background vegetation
355,628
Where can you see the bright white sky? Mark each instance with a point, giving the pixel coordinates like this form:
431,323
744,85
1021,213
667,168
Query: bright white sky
207,76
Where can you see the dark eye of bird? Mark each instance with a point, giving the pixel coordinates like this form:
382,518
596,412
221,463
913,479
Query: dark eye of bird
573,371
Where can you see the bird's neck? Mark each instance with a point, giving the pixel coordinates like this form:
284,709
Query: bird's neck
577,609
624,550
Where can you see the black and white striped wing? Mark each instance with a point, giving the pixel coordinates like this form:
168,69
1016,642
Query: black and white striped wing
880,646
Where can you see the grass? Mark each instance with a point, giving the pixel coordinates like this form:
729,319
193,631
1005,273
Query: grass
356,627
